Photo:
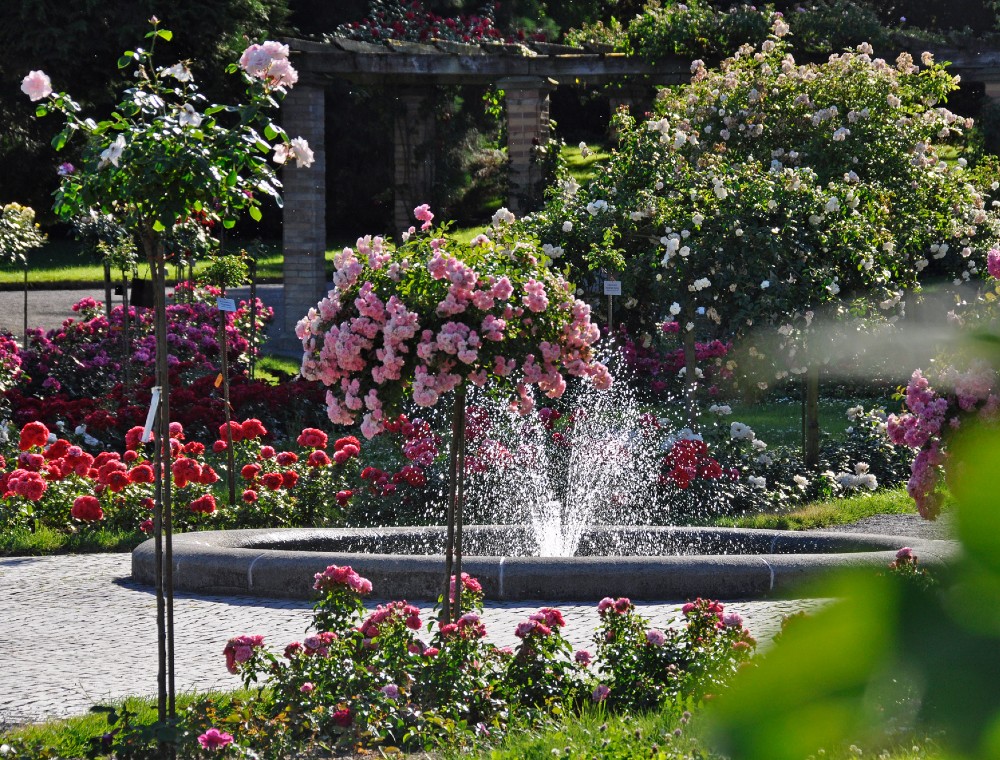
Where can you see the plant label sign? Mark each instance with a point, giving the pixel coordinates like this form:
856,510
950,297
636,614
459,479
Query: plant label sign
154,403
612,287
226,304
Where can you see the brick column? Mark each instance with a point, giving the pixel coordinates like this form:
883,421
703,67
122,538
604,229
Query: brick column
527,100
414,134
304,228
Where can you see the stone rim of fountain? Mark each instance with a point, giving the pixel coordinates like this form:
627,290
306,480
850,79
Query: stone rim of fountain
259,563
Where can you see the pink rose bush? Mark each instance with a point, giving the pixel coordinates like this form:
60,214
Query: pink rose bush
426,316
938,403
377,677
932,415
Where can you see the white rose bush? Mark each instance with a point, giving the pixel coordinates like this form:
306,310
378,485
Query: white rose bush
766,192
166,153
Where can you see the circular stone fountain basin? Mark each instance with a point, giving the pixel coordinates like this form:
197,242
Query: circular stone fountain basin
638,562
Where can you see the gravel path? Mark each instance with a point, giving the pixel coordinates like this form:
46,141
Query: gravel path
48,309
75,631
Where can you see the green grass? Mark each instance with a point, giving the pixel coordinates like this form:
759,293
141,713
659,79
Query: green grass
662,735
71,737
592,733
583,168
21,542
276,369
779,423
822,514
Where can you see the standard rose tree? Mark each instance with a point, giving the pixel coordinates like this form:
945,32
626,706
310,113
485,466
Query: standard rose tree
424,318
164,156
427,317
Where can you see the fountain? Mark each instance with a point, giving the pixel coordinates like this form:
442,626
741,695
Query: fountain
675,563
553,525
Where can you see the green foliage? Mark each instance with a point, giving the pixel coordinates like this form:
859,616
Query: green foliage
226,271
18,234
891,652
105,240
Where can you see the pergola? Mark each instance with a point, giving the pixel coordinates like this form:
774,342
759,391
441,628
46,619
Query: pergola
525,73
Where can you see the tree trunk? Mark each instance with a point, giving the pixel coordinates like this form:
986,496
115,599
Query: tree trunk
162,515
690,371
224,364
452,608
126,343
26,305
811,452
107,290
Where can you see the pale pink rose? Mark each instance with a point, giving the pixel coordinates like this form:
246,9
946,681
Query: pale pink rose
36,85
255,60
282,74
423,213
299,150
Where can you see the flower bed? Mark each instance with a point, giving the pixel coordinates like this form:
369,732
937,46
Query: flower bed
367,680
53,482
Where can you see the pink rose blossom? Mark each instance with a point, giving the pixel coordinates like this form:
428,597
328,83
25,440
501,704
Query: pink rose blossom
215,739
993,263
36,85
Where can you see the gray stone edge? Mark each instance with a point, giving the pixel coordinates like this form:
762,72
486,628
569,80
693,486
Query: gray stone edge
220,562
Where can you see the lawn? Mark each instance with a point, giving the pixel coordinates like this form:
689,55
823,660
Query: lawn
60,263
667,734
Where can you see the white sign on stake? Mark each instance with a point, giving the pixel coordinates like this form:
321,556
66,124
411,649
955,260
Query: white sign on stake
154,404
226,304
612,287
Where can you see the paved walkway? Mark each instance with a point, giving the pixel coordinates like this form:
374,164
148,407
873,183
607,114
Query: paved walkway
75,631
48,309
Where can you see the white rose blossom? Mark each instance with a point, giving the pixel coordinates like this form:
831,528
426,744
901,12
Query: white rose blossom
113,153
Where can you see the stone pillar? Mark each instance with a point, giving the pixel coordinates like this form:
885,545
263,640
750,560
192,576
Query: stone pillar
527,100
414,137
991,91
304,228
